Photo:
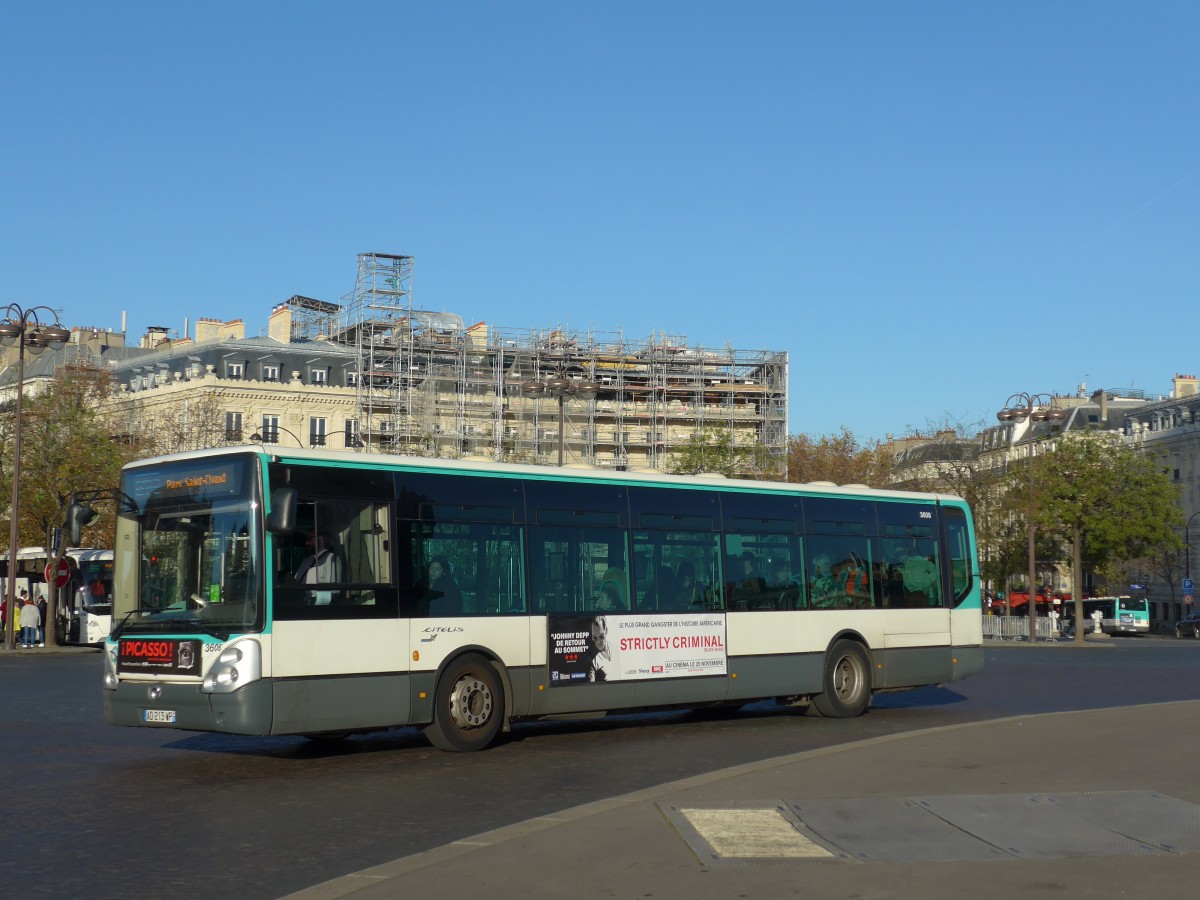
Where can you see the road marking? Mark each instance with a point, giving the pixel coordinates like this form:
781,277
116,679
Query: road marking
752,834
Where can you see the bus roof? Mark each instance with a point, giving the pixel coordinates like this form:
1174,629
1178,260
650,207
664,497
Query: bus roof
76,553
571,472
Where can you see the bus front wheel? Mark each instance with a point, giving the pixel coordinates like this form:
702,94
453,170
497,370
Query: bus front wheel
847,682
468,706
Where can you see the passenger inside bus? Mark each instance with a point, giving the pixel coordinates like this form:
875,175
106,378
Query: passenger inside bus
611,596
442,593
783,588
823,588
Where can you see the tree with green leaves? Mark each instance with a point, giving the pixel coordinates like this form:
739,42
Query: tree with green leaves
65,447
1108,503
714,449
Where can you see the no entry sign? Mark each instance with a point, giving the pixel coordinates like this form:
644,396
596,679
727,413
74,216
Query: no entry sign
59,577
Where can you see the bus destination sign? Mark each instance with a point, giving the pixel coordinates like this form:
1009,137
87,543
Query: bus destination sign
212,480
198,481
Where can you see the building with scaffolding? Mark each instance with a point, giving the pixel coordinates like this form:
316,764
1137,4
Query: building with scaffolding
429,383
393,378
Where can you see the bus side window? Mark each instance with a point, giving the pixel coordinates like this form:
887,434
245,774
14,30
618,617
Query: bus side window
839,573
571,566
764,572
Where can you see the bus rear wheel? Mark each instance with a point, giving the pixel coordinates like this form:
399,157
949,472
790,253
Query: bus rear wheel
468,706
847,682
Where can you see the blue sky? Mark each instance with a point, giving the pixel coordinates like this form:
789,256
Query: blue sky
929,205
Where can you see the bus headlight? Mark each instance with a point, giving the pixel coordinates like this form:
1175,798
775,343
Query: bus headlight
110,667
238,665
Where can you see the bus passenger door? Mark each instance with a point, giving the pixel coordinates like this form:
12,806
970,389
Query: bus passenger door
916,614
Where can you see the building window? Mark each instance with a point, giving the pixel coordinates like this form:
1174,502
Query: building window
316,432
235,370
270,373
351,433
318,376
233,426
270,429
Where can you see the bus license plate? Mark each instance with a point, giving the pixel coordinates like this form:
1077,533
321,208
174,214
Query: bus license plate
166,716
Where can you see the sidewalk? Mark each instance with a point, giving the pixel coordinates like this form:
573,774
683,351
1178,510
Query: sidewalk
34,651
1098,803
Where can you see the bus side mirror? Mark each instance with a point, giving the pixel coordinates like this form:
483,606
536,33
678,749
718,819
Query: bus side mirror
79,516
282,519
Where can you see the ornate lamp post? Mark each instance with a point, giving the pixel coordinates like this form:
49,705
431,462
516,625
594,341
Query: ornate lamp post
1036,408
23,329
560,386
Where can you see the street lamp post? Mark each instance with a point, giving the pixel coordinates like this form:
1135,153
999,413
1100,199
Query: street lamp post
1187,543
271,435
560,386
1036,408
23,329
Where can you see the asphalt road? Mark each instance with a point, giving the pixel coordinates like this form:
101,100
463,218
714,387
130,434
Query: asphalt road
99,811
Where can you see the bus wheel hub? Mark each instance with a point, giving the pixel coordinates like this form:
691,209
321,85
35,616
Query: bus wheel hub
470,703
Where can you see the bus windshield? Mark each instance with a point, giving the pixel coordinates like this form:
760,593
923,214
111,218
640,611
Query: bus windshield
189,545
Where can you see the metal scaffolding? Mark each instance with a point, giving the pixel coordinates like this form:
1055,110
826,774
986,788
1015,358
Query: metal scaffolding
428,385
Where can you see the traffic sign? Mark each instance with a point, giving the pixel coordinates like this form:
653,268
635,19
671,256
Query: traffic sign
1187,586
60,578
1187,598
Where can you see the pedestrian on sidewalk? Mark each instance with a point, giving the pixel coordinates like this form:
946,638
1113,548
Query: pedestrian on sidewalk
41,635
31,619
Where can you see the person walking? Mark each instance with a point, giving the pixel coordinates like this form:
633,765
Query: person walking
31,619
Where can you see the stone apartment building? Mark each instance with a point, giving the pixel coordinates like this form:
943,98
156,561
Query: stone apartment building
374,373
1166,428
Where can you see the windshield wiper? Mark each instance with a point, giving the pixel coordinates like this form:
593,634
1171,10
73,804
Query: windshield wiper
221,633
115,632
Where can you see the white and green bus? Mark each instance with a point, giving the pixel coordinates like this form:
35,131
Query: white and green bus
326,593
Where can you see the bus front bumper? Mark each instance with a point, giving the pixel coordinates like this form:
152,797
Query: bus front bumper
158,704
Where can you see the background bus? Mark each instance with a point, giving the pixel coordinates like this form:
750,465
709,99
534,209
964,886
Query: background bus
85,604
324,593
85,607
1118,615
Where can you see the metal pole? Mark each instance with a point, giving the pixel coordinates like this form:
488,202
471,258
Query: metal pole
1032,550
1187,542
1019,408
18,425
562,424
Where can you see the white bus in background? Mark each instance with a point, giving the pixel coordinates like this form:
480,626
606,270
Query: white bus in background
85,604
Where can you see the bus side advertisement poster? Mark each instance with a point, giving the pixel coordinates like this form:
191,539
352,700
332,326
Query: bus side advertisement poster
158,656
600,648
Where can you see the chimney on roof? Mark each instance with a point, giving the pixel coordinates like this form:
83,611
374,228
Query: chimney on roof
1185,386
279,325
